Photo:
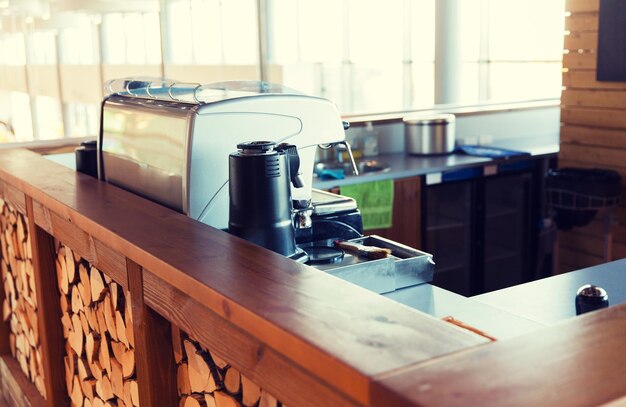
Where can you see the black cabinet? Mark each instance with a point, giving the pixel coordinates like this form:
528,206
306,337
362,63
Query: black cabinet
508,230
483,229
448,231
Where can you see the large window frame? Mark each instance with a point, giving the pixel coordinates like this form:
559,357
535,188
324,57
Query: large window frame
344,79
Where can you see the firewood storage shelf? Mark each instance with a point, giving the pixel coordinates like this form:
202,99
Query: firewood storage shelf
210,319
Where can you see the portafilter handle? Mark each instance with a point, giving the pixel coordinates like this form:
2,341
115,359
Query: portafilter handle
293,160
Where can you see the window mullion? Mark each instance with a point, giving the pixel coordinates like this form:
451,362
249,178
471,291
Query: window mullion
484,63
347,90
407,57
28,47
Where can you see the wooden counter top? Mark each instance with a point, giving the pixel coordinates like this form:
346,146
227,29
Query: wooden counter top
580,362
329,327
305,336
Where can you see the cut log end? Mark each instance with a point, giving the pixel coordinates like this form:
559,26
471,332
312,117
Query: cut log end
98,288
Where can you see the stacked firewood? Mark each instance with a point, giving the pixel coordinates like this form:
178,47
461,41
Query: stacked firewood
19,308
98,328
204,379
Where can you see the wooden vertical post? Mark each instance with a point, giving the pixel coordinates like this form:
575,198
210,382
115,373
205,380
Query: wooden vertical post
48,311
5,329
154,358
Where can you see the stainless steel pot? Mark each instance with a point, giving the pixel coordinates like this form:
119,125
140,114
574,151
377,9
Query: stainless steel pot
432,134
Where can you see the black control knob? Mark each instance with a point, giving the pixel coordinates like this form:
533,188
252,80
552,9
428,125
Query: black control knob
590,298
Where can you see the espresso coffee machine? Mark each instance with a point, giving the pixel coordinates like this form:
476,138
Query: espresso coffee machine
172,143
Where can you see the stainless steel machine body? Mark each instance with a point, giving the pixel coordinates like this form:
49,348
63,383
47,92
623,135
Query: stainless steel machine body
170,143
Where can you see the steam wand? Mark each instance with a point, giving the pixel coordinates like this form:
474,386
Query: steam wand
344,143
355,170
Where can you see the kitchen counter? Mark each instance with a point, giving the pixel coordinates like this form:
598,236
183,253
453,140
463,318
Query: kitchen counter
403,165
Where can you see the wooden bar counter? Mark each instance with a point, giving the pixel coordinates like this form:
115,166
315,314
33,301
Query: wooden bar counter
110,299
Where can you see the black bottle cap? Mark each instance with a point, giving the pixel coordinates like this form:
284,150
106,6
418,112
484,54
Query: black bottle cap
590,298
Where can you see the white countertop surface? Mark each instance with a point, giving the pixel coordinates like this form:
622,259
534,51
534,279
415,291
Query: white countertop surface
440,303
520,309
551,300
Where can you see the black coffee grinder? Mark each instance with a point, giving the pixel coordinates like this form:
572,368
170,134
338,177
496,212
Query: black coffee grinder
261,209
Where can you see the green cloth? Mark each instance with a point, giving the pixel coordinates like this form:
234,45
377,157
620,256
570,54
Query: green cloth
375,201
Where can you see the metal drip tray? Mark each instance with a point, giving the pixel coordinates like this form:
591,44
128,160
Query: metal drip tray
405,266
326,202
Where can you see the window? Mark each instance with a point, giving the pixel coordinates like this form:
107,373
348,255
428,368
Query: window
79,46
21,119
368,56
131,38
365,55
43,49
49,118
15,105
82,119
13,50
371,56
525,49
212,32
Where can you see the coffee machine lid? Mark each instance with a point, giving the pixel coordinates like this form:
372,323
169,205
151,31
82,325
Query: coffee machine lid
256,147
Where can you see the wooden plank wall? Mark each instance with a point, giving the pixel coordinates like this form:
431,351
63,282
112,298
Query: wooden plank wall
593,132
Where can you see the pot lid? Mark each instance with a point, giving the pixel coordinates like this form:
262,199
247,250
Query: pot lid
443,118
